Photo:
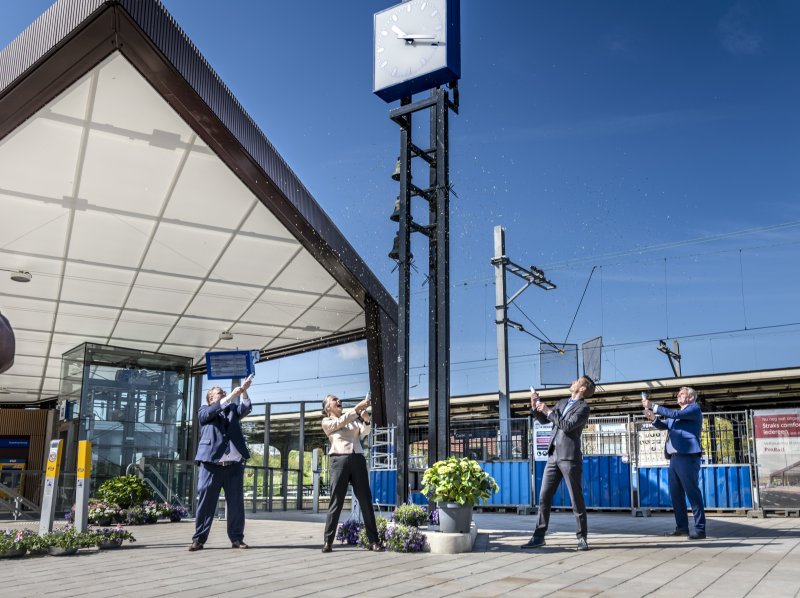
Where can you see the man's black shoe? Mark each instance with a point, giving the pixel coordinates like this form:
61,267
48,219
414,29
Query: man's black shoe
327,547
196,546
534,542
241,545
583,545
698,536
678,532
375,547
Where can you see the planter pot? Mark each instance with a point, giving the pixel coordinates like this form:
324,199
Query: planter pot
104,521
109,544
454,518
14,552
175,518
58,551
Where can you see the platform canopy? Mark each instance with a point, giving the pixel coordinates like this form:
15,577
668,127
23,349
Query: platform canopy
151,211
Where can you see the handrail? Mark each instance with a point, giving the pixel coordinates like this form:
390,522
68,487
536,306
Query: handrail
171,494
18,499
143,477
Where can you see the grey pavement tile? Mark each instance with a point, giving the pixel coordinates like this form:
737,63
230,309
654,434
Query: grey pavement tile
628,557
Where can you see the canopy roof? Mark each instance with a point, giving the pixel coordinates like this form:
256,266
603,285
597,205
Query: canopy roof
150,210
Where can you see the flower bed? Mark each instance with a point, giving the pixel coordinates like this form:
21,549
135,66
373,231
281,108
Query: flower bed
400,534
104,513
60,542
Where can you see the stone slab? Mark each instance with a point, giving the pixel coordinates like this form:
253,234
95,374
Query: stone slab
444,543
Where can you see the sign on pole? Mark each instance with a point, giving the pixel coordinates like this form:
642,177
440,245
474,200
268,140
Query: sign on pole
50,487
82,485
227,365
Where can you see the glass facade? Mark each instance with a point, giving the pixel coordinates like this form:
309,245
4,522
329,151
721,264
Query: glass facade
129,403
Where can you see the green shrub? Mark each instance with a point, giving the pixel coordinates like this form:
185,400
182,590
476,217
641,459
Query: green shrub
413,515
125,491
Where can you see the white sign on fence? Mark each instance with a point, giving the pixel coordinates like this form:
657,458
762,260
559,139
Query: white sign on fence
651,447
541,440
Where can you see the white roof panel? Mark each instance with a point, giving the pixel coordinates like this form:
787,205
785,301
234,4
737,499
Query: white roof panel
148,223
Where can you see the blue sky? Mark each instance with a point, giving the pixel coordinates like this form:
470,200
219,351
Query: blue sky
656,141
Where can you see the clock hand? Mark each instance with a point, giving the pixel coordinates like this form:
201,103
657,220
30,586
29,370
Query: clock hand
411,37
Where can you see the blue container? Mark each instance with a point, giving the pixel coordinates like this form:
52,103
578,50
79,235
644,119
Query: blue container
723,487
654,487
383,484
606,481
514,479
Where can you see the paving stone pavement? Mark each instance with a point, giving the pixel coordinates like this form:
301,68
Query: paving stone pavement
629,557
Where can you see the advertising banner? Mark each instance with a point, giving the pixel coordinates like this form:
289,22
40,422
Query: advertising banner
777,439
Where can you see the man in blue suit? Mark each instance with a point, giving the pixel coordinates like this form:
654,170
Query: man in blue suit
221,455
683,449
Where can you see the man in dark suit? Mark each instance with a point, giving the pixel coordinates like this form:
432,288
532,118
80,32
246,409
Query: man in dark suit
221,455
565,458
684,451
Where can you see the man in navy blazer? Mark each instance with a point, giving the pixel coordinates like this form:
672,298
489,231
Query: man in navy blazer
565,457
683,449
221,456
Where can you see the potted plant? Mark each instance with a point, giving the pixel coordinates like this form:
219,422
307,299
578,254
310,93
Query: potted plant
111,537
14,542
348,532
457,485
102,513
65,542
178,512
413,515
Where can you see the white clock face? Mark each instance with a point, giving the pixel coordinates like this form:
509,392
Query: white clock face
410,41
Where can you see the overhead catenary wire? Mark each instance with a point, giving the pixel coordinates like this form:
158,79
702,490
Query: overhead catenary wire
585,288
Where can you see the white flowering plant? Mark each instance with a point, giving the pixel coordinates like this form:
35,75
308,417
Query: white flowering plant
458,480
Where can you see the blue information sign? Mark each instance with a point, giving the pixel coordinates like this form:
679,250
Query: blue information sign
223,365
14,442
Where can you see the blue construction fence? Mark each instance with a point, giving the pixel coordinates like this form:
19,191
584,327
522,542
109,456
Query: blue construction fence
513,477
723,487
606,485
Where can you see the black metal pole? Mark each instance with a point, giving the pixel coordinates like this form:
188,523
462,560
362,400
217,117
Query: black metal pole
442,233
439,293
403,300
433,289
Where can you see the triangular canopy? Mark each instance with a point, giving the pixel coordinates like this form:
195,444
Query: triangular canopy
153,213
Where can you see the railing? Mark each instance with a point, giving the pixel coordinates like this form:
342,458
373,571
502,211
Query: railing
265,489
476,439
16,504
